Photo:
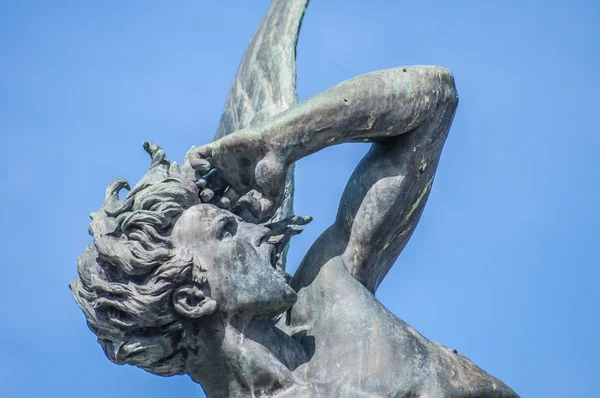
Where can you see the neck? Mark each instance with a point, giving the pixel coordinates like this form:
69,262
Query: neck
239,357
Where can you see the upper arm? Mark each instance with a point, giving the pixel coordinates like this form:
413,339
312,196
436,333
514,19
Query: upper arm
382,203
386,194
381,206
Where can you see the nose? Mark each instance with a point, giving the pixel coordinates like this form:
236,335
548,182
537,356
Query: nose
260,235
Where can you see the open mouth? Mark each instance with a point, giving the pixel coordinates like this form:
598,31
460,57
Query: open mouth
274,248
275,254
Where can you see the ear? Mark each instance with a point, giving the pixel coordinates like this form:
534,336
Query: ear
191,302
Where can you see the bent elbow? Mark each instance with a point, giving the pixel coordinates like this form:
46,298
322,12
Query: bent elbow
441,80
449,85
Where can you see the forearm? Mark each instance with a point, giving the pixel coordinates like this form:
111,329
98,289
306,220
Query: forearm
370,107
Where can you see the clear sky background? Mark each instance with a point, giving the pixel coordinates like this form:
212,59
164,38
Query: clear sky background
503,265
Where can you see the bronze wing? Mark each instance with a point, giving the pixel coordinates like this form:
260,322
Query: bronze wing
265,83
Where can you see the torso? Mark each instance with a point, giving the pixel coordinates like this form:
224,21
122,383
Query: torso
357,348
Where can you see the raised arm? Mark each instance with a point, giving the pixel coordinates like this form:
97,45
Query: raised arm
372,107
382,204
405,112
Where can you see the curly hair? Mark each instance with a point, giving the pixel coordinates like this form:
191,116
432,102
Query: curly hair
126,277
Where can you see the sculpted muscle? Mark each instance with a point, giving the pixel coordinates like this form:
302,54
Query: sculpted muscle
186,274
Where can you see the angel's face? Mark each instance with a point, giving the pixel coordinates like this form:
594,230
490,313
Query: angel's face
238,262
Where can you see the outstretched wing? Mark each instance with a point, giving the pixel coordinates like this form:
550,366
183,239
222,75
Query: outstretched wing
265,83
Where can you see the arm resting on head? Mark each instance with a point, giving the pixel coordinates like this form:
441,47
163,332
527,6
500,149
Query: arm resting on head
405,112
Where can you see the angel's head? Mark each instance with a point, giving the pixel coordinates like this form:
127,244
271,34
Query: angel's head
163,264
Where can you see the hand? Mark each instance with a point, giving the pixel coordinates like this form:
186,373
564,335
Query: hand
251,176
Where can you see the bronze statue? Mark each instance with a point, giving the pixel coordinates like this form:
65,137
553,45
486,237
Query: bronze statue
187,274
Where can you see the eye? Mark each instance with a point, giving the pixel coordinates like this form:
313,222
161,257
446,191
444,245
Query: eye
226,228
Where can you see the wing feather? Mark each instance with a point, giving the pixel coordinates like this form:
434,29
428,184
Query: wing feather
265,83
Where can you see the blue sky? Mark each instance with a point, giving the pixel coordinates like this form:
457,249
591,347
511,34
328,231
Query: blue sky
504,264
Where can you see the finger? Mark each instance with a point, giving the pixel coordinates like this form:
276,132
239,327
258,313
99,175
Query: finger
250,203
301,220
288,223
284,237
206,195
248,208
199,164
294,229
267,208
224,203
201,183
231,194
204,151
